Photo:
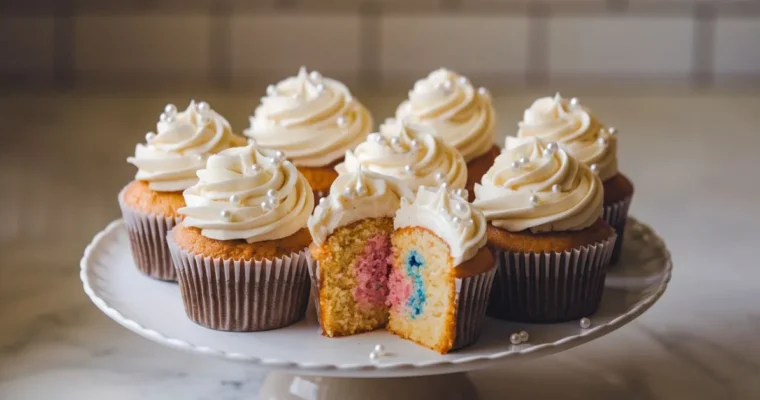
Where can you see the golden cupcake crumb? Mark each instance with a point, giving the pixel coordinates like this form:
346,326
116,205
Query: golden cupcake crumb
528,242
191,240
138,196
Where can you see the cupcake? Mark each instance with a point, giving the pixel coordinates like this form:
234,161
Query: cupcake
351,229
166,165
409,153
574,128
240,252
460,114
313,120
441,270
552,248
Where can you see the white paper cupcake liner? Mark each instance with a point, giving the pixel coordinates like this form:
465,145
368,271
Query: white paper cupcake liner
616,215
242,295
550,287
472,295
147,239
472,300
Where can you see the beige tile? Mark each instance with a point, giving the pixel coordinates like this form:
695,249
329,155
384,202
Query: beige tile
272,44
615,44
26,45
471,44
737,46
144,44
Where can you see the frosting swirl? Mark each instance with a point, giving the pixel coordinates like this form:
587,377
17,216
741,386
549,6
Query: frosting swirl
169,160
574,128
354,197
539,187
248,193
449,216
409,153
460,114
312,119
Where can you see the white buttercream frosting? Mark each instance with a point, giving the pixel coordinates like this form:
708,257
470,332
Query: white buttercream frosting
539,187
448,215
409,153
353,197
457,111
184,140
312,119
572,126
248,193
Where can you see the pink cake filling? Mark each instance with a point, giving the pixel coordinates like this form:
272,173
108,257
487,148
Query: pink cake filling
372,272
399,289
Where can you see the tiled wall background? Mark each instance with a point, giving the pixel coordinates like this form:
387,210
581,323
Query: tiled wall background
231,43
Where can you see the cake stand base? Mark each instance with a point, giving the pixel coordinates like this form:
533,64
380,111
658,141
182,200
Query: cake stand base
279,386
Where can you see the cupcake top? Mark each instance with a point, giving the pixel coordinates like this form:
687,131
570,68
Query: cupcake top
355,196
574,128
448,215
248,193
169,160
410,153
460,114
312,119
539,187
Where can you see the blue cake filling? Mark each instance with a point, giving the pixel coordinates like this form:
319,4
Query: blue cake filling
414,262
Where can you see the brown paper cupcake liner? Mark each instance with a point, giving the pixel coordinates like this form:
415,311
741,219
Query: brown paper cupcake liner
472,300
550,287
616,215
242,295
147,239
472,295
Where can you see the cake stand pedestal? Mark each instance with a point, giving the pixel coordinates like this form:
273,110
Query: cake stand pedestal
307,366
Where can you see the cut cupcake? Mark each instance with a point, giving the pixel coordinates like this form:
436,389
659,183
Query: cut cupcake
410,153
313,120
552,248
351,229
460,114
575,128
441,271
167,164
240,252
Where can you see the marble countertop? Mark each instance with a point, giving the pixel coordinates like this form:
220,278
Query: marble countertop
692,155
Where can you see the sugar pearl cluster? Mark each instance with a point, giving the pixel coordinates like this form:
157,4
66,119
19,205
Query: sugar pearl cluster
447,85
519,338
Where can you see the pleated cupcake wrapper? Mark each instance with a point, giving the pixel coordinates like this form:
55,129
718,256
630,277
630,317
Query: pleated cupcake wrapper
472,295
616,215
313,267
472,300
147,239
242,295
550,287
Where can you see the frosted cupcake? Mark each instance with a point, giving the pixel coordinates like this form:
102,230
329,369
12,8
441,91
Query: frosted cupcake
460,114
441,272
313,120
167,164
351,229
552,248
574,128
241,250
409,153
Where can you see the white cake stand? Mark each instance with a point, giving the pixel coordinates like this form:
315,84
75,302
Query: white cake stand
306,365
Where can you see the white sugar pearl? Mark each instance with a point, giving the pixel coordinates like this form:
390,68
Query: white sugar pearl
226,214
271,90
255,169
315,76
341,121
460,207
199,157
408,169
374,356
235,199
265,206
514,338
445,185
170,109
516,164
556,188
380,349
594,168
524,336
376,137
395,141
612,130
447,85
461,193
602,141
463,80
534,200
320,88
456,220
348,192
585,323
271,193
414,144
524,160
574,101
482,91
552,146
163,117
439,177
204,107
323,202
150,136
